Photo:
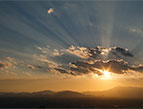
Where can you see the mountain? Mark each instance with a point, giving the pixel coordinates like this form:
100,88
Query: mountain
116,92
121,97
68,94
119,92
43,93
26,94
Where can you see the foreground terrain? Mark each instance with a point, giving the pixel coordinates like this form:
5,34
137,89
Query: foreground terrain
121,97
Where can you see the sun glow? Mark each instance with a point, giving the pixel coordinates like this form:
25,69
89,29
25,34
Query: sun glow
106,74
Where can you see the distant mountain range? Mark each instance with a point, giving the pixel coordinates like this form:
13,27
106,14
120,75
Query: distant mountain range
117,92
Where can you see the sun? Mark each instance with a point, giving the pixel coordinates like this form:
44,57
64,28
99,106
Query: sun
106,74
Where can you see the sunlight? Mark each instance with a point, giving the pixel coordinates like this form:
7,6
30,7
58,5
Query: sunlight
106,74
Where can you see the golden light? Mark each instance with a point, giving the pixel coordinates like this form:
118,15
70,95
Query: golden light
106,74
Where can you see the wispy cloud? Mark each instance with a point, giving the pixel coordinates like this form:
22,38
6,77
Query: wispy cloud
7,63
31,67
51,10
137,30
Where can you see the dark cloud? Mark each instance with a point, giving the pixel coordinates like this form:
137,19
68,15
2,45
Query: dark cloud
96,63
94,52
2,65
99,52
93,60
33,67
113,51
39,66
61,70
114,66
137,68
124,52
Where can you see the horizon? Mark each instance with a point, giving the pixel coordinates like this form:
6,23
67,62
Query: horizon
116,87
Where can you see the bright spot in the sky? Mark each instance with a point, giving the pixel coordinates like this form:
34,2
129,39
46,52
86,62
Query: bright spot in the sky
106,74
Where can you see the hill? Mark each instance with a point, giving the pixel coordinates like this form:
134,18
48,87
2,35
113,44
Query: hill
119,92
121,97
116,92
69,94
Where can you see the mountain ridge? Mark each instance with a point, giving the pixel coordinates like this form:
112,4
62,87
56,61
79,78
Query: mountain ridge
116,92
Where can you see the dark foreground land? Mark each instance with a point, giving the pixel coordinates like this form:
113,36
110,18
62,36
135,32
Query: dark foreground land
118,97
83,102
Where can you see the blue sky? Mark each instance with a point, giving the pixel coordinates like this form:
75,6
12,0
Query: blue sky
29,33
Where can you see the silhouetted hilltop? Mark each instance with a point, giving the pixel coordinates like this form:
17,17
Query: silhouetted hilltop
118,92
70,94
118,97
44,93
27,94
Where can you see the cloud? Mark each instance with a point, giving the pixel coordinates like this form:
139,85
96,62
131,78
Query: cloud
49,62
97,67
7,63
90,60
94,60
81,52
124,52
61,70
2,65
51,10
56,53
138,30
138,68
31,67
135,29
49,51
11,59
99,52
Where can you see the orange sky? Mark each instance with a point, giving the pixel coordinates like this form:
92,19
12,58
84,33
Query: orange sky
76,84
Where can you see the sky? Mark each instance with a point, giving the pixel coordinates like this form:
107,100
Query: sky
70,45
